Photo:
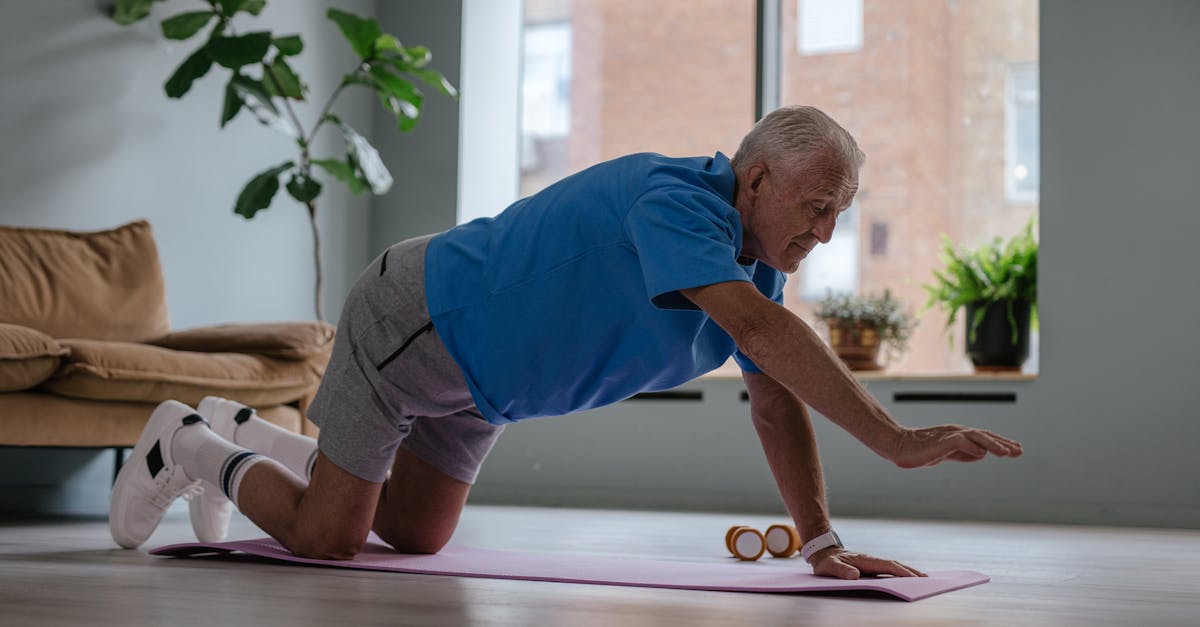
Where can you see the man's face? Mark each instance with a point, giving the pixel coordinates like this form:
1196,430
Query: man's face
786,214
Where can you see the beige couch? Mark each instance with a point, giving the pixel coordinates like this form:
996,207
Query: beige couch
86,350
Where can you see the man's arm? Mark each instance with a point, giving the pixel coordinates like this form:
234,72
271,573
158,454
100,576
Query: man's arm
790,352
787,437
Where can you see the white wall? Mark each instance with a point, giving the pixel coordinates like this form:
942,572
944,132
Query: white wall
91,141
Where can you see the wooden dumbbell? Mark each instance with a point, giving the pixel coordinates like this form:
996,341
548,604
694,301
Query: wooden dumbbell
729,537
782,540
745,543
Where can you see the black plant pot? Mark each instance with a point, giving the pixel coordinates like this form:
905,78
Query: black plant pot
993,349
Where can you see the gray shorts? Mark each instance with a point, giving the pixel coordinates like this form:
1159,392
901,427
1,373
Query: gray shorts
390,382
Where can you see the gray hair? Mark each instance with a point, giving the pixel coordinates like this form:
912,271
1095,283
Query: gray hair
793,136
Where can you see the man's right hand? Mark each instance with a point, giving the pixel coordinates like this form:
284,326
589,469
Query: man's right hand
914,448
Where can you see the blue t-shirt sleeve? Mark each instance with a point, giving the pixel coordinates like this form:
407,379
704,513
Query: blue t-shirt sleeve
770,283
684,237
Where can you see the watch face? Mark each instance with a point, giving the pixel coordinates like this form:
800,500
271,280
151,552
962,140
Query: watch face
837,539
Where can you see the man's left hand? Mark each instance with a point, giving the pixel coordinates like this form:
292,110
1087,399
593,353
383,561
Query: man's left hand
840,563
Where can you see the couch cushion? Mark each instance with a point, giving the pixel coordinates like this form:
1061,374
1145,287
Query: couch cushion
124,371
286,340
43,419
27,357
104,285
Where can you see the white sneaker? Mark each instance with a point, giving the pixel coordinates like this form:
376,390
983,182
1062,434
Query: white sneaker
211,510
150,480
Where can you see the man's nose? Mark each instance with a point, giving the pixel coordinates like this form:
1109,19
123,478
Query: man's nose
823,229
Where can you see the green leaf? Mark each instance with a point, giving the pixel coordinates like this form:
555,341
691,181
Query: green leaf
253,91
418,56
229,7
256,98
234,52
366,159
287,80
233,104
435,79
254,7
303,188
259,192
386,43
392,104
409,98
126,12
185,25
343,172
360,33
192,68
289,46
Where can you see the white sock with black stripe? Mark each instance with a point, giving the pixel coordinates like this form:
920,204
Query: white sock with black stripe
234,469
295,451
205,455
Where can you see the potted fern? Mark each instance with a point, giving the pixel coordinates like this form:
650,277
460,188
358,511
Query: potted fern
860,325
996,285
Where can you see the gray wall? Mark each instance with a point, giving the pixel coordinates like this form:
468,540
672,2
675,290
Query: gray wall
424,161
1109,425
1115,413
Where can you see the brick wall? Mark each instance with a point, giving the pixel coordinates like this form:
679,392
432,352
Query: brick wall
924,96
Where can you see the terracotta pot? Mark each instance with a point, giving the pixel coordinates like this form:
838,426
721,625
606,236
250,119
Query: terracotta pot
855,343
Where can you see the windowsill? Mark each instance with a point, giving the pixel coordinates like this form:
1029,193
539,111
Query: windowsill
892,376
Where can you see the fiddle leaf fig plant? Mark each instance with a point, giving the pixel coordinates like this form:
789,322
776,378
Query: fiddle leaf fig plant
263,82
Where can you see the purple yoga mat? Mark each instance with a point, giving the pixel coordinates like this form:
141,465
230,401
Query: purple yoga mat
728,576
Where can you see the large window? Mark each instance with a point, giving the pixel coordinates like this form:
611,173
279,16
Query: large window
942,96
829,26
604,78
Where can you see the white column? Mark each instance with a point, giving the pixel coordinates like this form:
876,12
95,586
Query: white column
488,161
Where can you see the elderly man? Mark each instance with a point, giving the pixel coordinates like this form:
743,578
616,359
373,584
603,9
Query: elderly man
637,274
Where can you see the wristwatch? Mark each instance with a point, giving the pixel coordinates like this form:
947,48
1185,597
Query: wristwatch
823,541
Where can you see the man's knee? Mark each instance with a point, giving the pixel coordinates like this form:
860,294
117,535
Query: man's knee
333,516
406,536
325,544
407,532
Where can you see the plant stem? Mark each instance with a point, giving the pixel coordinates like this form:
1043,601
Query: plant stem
270,71
312,218
325,110
305,161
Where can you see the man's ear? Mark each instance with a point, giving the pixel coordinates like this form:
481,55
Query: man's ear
756,174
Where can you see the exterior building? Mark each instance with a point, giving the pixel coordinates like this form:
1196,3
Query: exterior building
941,94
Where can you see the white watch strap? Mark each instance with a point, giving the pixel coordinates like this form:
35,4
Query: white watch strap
823,541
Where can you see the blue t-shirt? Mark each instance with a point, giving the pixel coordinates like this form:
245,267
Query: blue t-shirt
569,299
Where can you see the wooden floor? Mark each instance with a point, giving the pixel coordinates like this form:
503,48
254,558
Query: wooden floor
60,572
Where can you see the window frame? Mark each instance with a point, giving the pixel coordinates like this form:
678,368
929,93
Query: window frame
1013,193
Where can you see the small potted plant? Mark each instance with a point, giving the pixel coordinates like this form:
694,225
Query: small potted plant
860,325
996,285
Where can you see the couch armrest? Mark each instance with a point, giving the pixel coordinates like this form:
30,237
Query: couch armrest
283,340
